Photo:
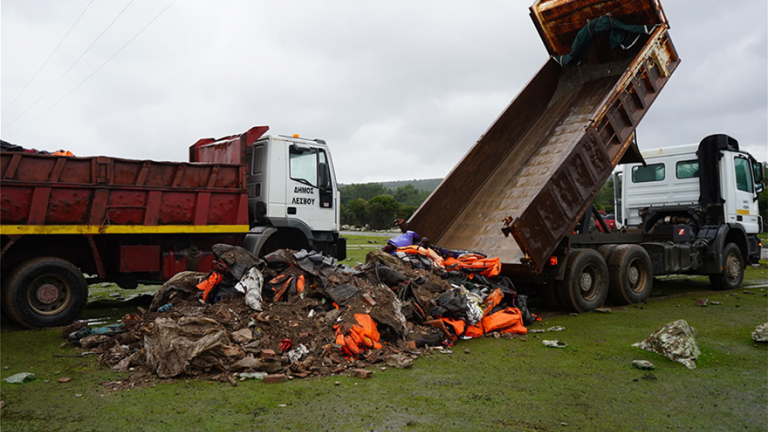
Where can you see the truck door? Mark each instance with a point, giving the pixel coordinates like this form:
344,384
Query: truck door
309,192
741,206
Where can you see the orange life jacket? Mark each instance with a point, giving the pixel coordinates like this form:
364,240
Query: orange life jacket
418,250
63,153
493,300
209,284
509,320
359,337
474,263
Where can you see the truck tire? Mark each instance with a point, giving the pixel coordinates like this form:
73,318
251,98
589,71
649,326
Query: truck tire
733,269
45,292
585,285
630,273
607,250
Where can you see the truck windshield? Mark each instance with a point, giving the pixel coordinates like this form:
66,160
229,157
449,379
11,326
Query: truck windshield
303,166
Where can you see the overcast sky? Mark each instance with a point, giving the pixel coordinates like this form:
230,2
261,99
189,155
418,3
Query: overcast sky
400,89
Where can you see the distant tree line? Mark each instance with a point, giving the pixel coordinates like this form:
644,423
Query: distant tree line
374,205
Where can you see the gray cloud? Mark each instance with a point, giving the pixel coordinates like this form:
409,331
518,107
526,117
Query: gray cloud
399,89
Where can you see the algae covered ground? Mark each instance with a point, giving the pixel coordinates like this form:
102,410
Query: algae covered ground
516,385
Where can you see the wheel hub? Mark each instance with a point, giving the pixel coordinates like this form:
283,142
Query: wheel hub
47,294
586,281
733,268
633,275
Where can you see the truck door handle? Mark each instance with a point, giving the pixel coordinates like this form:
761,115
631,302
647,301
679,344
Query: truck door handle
291,210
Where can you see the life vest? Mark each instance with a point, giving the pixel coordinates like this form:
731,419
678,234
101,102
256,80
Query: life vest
473,263
63,153
509,320
359,337
493,300
209,284
429,253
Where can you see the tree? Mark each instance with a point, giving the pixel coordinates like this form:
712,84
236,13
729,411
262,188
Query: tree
365,191
410,196
382,210
355,212
604,200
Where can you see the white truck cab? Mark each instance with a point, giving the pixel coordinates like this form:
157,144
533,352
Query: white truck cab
293,196
694,209
671,178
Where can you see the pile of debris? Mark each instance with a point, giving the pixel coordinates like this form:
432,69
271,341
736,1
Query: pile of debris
300,314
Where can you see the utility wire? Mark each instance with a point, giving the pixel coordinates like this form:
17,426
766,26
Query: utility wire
98,68
71,66
49,56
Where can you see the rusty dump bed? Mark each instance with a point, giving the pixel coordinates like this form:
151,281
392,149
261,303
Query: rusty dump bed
43,194
546,157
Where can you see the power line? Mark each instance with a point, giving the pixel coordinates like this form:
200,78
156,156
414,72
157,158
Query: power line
71,66
98,68
49,56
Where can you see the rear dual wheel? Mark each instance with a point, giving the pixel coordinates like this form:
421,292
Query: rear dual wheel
585,285
44,292
630,273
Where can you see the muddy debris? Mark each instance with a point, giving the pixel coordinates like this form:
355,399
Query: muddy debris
299,314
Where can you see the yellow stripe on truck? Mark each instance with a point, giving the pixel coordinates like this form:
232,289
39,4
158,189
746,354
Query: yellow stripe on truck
121,229
742,212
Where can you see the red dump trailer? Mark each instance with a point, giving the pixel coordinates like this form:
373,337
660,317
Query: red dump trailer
536,171
123,220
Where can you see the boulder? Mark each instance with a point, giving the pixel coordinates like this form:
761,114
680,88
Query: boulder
675,341
761,333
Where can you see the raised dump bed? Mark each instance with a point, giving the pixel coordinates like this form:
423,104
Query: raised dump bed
544,160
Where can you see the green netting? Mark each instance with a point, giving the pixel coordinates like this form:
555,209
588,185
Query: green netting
621,36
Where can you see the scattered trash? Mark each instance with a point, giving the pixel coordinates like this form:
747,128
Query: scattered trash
761,333
556,329
253,375
676,341
748,292
466,351
78,395
297,353
362,373
65,380
603,310
643,365
536,330
300,314
399,361
20,378
715,303
701,302
554,343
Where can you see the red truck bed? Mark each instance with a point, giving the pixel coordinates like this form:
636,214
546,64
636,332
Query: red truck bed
44,194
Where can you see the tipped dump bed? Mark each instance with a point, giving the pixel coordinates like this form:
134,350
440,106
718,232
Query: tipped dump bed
546,157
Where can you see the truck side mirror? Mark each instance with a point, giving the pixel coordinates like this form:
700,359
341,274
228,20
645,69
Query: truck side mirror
324,176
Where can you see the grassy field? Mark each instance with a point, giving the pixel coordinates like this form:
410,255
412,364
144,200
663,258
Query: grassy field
515,385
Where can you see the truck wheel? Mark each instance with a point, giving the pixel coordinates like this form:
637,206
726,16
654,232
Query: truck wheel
733,269
585,285
45,292
630,273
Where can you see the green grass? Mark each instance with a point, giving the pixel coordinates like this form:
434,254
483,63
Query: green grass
358,247
501,385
